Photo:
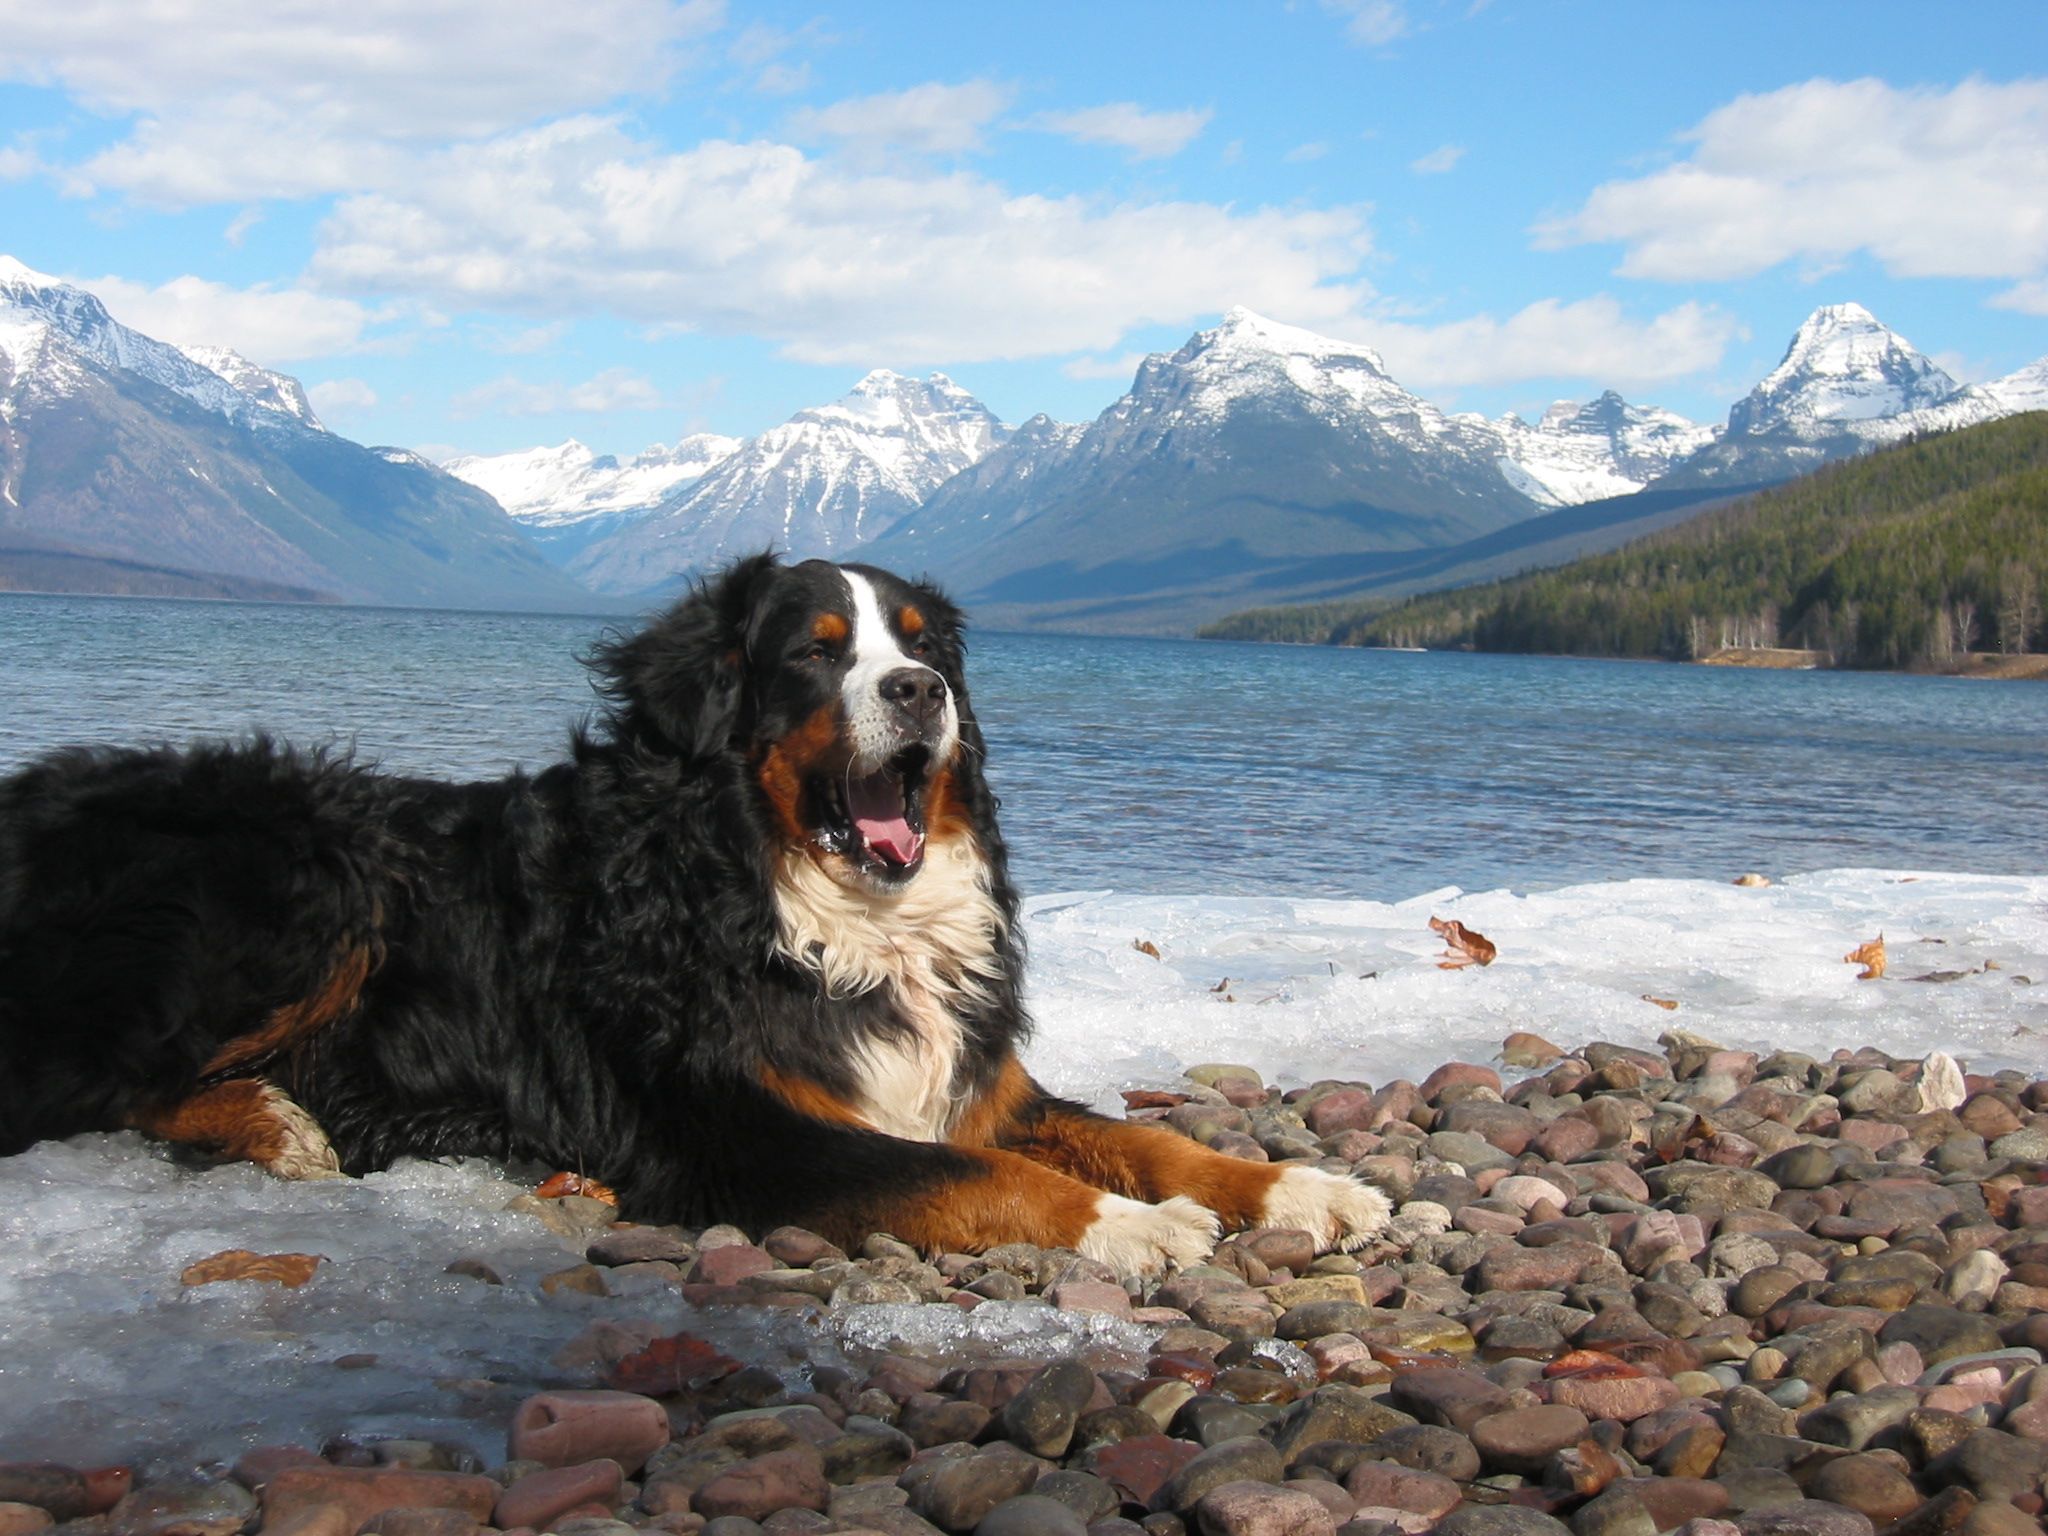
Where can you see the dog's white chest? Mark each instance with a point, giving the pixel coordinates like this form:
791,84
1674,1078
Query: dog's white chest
905,1081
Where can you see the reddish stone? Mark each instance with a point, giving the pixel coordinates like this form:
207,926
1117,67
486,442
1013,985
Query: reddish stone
1185,1365
1585,1468
258,1466
1672,1501
23,1519
1248,1508
1524,1439
1449,1396
1566,1139
1344,1109
366,1491
731,1264
1140,1466
45,1484
793,1478
542,1497
1389,1484
560,1429
1622,1398
1463,1074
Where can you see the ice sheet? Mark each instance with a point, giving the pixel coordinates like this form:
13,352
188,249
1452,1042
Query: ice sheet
105,1356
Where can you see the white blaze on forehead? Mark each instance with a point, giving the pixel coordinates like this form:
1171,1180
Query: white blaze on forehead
874,653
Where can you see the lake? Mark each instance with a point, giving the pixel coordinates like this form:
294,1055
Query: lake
1162,766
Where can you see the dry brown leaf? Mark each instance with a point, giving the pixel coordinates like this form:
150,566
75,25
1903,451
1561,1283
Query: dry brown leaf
561,1184
1670,1004
1870,956
1753,879
1221,986
291,1270
1464,946
1145,947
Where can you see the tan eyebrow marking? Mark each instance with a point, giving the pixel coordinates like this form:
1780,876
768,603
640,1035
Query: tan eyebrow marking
910,620
832,627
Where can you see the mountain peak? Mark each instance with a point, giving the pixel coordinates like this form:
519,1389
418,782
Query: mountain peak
15,274
1843,366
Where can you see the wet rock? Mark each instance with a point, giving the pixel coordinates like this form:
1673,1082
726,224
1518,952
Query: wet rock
1041,1417
1939,1333
1031,1515
1991,1465
1498,1520
1256,1509
1523,1440
1804,1517
366,1491
1870,1485
183,1506
960,1493
1246,1459
1389,1485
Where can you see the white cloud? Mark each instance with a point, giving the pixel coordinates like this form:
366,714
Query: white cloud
835,266
1374,23
1127,126
241,99
523,343
1301,153
1589,338
1930,182
2029,298
615,389
335,398
926,119
268,325
240,225
1438,161
1123,368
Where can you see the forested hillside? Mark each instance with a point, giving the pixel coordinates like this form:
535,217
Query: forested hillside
1906,557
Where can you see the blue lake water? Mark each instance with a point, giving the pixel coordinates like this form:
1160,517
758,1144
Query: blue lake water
1172,766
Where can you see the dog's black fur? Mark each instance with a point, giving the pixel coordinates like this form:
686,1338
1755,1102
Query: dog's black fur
578,968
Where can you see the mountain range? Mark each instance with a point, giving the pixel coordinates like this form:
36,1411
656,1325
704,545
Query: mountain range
1260,463
129,465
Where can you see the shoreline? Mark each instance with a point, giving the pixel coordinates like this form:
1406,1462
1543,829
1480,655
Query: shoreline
1624,1289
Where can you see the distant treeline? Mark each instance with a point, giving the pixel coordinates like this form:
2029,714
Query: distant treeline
1902,558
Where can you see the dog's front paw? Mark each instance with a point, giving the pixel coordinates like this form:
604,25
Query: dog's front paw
1339,1212
1134,1238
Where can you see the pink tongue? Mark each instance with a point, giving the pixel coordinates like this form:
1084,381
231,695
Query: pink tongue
876,803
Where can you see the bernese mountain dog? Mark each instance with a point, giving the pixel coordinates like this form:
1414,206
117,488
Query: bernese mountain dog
751,954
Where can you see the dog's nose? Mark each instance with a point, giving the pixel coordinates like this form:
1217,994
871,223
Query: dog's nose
918,691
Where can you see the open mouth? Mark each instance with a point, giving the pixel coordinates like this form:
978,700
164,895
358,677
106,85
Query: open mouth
878,817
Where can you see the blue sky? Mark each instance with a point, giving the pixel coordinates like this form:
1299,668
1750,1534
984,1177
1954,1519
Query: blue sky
479,225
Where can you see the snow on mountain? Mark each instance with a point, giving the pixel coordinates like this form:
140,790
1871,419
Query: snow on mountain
1847,383
278,392
1845,372
569,483
2026,389
822,483
1607,447
50,328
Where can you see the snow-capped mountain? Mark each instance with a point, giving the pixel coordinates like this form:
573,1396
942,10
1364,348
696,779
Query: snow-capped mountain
823,483
1607,447
279,392
568,497
548,487
127,464
1257,446
1847,383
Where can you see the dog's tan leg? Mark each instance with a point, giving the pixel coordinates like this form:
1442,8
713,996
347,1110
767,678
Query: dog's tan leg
1007,1198
1147,1163
248,1119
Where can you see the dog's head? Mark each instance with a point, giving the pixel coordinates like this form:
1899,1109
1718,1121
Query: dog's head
839,689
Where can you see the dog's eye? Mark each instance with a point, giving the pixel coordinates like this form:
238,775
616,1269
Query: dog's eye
920,647
817,650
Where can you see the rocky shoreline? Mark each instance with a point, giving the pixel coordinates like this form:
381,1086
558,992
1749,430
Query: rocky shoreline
1632,1292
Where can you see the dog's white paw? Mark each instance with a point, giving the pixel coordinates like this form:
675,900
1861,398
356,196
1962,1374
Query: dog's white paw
1339,1212
303,1151
1134,1238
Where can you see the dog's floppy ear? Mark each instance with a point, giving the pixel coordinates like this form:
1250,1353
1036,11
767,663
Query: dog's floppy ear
678,679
